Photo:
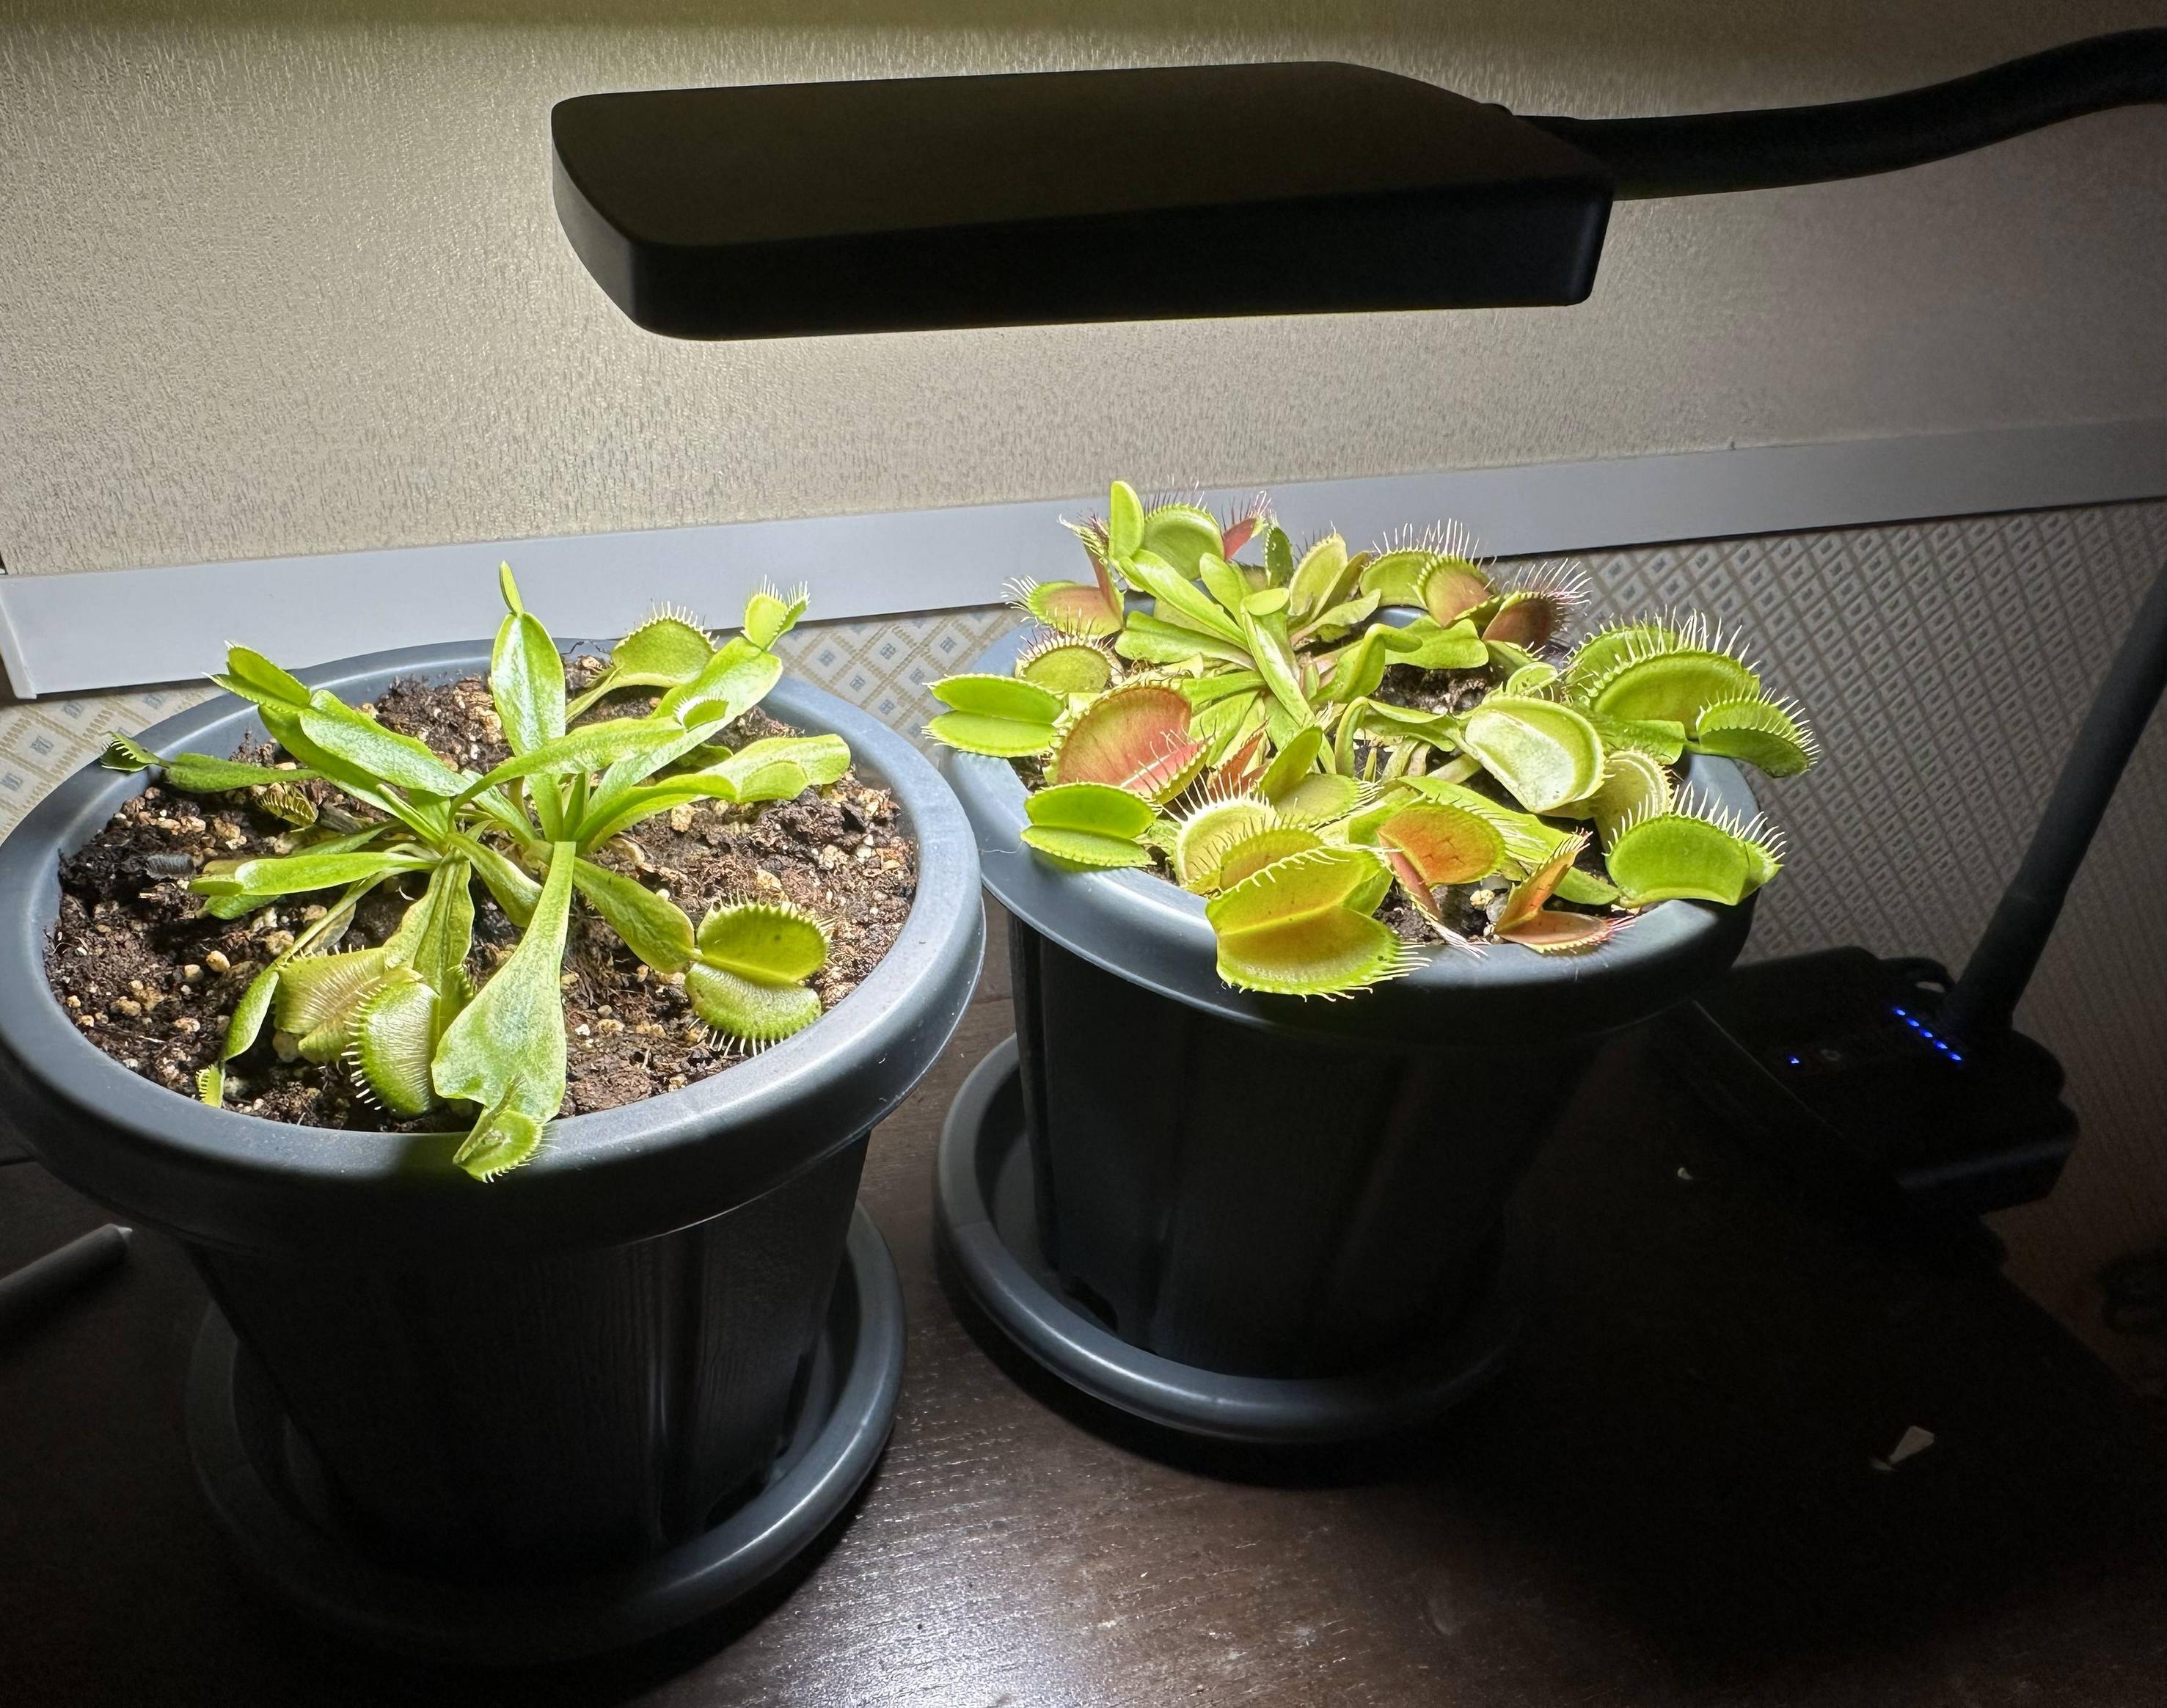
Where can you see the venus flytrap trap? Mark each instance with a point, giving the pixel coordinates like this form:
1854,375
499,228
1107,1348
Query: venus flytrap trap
1302,734
406,1018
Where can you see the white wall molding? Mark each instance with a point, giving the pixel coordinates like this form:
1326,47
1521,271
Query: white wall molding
68,634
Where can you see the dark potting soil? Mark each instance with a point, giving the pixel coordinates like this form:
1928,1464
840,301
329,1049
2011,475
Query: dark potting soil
152,980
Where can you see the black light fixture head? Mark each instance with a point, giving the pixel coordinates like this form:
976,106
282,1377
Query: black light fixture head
1068,196
1186,192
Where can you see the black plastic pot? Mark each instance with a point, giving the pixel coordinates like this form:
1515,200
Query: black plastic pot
1286,1211
571,1375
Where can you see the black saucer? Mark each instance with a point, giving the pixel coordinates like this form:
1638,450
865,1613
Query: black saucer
239,1438
984,1211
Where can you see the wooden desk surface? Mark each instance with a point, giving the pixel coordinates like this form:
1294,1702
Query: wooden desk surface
1670,1497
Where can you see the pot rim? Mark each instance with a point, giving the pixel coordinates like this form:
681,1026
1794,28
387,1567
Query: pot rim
239,1180
1140,927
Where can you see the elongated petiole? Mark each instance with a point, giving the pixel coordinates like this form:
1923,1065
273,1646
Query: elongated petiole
549,808
603,684
503,815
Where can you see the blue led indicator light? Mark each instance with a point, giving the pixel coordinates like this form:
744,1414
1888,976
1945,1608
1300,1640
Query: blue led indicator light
1899,1011
1795,1062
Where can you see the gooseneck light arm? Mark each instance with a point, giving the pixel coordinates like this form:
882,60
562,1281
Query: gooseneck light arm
1706,153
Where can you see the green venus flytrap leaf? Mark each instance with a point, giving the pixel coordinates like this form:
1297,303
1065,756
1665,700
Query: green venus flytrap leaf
1180,535
1394,578
1205,836
393,1036
1635,785
1136,737
770,614
506,1051
1067,664
1690,853
1452,588
1125,521
403,1017
1544,753
998,716
1092,824
1764,734
1303,926
198,773
748,982
1276,748
1253,853
1073,608
666,650
525,675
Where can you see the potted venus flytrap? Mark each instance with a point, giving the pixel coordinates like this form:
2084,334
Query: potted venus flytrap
502,1046
1330,871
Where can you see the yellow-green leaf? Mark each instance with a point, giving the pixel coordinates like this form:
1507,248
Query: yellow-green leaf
1544,753
393,1032
653,926
293,874
768,617
1758,731
526,678
1180,535
662,652
1676,686
383,754
1303,926
1064,663
1125,520
1096,807
506,1051
253,676
769,941
1093,849
752,1009
1676,855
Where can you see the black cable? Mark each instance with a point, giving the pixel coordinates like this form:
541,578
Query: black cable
1703,153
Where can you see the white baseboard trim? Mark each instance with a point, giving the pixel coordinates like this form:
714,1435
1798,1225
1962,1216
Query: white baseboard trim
68,634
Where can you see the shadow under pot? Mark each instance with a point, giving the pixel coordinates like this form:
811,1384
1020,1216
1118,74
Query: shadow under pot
634,1377
1251,1216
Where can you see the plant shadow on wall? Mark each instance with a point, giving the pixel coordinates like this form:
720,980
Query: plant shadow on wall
1340,786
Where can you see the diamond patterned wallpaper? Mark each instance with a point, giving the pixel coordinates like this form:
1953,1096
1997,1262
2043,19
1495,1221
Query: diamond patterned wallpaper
1946,664
884,664
42,741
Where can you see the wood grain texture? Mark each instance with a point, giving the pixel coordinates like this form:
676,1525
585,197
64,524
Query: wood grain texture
1669,1498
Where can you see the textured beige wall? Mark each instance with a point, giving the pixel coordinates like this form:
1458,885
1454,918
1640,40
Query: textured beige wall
284,279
